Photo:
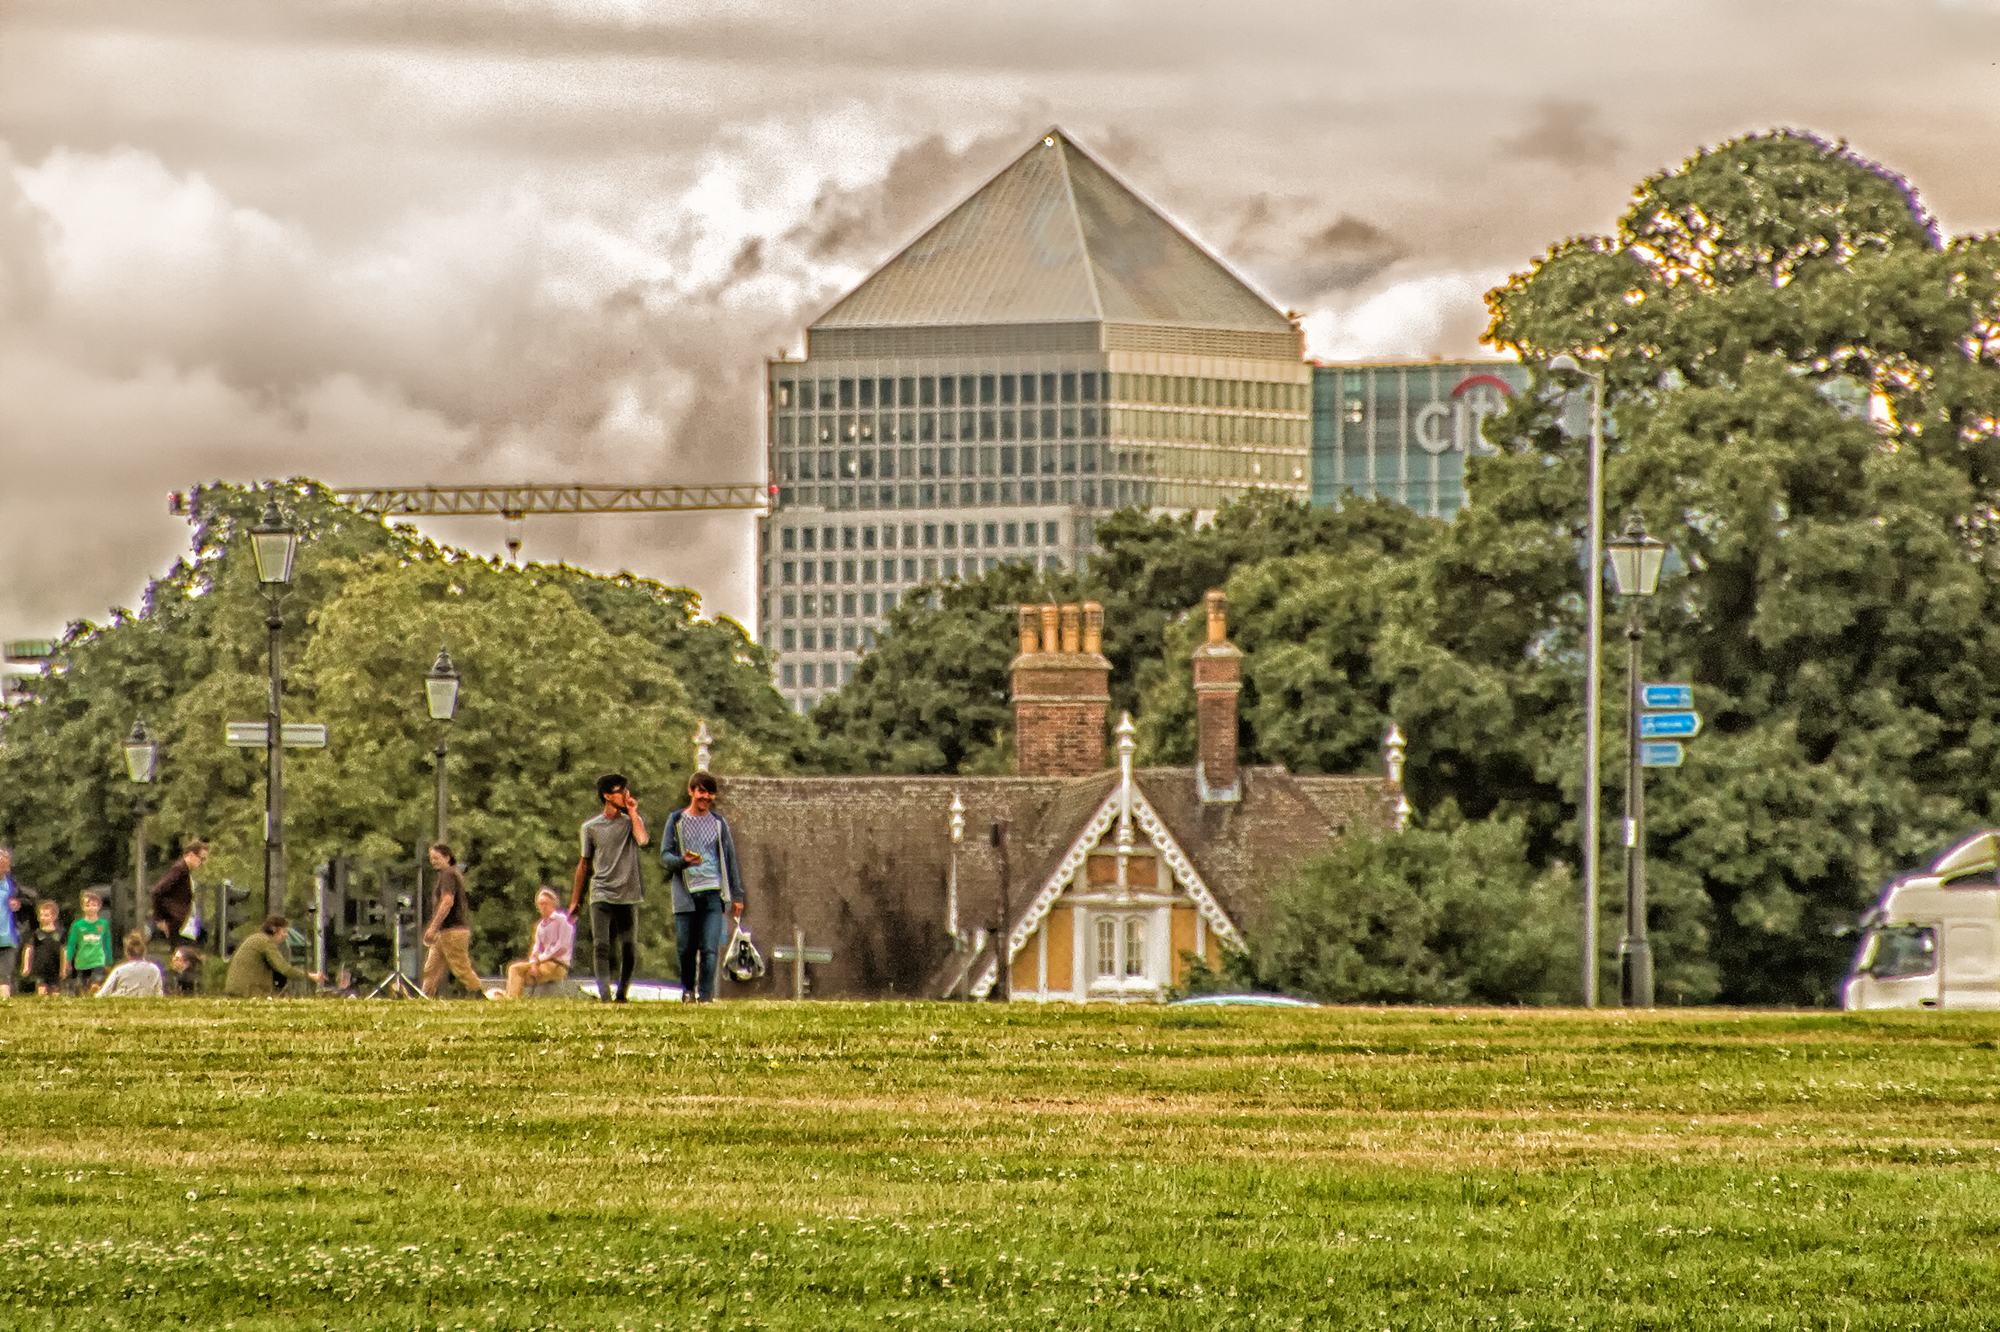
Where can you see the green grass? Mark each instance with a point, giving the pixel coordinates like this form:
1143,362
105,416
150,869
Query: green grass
358,1165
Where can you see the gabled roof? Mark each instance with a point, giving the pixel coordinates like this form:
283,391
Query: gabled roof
1055,238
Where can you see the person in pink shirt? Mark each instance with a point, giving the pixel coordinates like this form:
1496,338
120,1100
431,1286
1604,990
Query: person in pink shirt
548,958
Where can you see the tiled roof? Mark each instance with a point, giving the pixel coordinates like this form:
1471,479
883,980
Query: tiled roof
1055,238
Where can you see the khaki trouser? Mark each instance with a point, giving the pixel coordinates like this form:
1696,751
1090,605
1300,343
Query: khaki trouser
452,950
520,975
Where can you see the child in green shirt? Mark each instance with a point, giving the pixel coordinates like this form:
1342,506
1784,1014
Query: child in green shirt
88,954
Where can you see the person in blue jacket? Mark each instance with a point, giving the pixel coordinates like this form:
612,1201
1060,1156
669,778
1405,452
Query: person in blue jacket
700,857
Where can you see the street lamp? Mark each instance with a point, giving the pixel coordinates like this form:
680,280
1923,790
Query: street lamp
142,756
1635,564
441,694
1594,599
275,543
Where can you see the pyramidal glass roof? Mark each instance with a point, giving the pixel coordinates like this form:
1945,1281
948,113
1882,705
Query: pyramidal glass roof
1054,238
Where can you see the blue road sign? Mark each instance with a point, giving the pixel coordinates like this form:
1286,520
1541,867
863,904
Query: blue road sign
1667,695
1665,725
1661,754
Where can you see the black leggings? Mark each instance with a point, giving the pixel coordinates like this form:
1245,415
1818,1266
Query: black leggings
613,926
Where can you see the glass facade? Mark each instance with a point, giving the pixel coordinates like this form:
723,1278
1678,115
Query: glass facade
891,474
1404,431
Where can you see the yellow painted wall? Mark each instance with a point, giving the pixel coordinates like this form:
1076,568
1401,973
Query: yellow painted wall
1182,932
1061,929
1025,965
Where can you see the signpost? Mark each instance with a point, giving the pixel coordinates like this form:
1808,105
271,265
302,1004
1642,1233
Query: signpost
296,735
1661,754
1667,696
798,955
1669,725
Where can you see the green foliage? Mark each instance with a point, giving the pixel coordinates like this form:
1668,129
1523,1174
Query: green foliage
567,675
1448,914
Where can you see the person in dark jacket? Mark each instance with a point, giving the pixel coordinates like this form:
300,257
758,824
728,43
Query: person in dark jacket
173,895
254,970
700,857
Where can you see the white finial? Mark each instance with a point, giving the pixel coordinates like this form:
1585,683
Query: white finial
1126,745
1393,745
1402,813
702,740
957,818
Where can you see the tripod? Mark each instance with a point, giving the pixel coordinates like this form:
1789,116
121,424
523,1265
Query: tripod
397,982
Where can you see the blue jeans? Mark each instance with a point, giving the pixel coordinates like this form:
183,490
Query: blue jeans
698,938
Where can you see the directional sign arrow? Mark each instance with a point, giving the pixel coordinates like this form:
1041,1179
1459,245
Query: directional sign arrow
1665,725
1667,695
1661,754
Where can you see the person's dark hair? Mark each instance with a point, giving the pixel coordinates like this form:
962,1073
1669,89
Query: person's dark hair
611,781
703,781
135,945
444,849
274,925
197,847
184,956
96,895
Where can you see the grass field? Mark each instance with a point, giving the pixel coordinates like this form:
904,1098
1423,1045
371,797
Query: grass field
367,1165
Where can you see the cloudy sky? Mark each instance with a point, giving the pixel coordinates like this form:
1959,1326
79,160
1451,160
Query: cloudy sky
453,241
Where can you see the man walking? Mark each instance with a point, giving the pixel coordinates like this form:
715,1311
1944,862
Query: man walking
700,857
449,935
173,895
610,865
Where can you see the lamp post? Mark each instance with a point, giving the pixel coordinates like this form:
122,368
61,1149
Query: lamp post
1635,564
141,757
441,695
275,543
1592,648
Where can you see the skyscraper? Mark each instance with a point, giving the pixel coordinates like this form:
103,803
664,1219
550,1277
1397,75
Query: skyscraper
1053,349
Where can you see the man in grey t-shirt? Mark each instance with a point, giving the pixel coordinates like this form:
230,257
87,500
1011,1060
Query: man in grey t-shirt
610,865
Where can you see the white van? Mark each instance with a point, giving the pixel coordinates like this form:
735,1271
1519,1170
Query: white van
1933,940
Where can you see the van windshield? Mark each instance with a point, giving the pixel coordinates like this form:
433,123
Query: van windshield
1892,951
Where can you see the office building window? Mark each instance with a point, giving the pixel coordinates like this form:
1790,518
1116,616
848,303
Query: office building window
1048,534
992,534
826,603
950,567
789,538
930,569
1031,531
847,568
1010,535
846,672
789,571
909,571
868,638
847,603
788,674
807,672
888,602
788,606
867,603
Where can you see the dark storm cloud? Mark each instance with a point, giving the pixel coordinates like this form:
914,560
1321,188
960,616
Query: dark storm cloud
450,241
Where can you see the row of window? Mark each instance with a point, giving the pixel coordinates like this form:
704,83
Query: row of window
931,535
851,638
931,427
929,569
830,604
810,674
932,391
830,395
1193,426
1003,460
928,495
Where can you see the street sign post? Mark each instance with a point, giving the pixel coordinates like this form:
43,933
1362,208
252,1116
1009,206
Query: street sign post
296,735
1666,695
798,955
1661,754
1669,725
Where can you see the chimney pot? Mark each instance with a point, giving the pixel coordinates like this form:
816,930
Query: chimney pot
1072,628
1050,616
1031,628
1218,617
1093,628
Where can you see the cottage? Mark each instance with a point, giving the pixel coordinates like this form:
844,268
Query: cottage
1098,883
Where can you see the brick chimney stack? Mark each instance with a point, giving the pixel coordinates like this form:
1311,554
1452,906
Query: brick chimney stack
1062,689
1218,676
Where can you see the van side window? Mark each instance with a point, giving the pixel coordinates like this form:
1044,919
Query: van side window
1988,877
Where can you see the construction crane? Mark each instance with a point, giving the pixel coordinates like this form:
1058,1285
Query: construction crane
515,503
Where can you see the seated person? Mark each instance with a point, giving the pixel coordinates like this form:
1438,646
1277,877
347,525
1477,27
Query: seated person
184,972
260,961
548,957
135,977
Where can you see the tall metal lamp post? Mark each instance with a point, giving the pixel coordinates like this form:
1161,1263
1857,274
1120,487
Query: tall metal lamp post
1592,649
951,886
441,694
275,543
1635,564
142,756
